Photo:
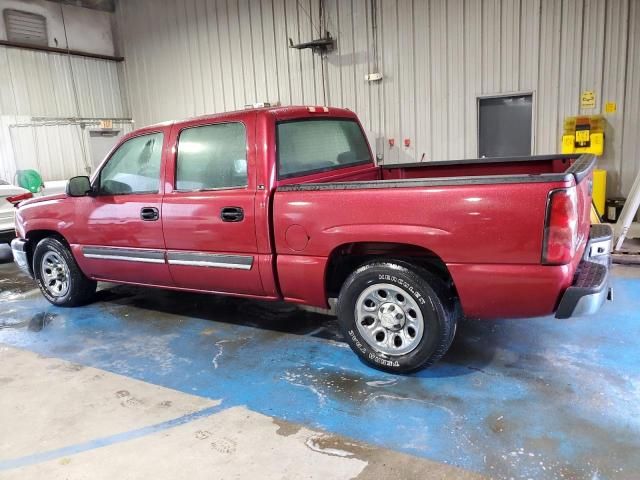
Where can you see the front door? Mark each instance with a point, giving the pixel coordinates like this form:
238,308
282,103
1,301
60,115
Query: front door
208,209
119,228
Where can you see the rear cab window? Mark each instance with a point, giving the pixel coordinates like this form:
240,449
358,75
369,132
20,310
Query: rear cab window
307,146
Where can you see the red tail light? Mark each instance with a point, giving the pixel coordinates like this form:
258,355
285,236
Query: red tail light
560,227
16,199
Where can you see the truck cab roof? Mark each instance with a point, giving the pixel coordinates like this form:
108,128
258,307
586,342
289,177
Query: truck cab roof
279,112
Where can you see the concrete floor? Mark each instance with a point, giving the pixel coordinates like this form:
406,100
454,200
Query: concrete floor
149,383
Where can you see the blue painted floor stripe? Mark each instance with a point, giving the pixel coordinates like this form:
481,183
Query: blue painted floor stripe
106,441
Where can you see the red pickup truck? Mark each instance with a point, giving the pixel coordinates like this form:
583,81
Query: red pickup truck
288,203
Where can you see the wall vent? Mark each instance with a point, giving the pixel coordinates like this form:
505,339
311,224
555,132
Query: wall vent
25,27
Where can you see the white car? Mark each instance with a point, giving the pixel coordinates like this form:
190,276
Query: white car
7,190
7,228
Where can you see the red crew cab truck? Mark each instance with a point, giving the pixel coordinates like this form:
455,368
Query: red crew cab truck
288,203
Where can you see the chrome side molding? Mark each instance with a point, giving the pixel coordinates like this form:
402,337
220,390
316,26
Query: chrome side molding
214,260
126,254
193,259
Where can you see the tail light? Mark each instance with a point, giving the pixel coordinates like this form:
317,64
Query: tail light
16,199
560,227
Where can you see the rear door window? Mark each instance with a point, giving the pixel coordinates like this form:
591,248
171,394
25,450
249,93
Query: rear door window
212,157
310,146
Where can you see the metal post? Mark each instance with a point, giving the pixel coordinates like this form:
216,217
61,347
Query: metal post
627,215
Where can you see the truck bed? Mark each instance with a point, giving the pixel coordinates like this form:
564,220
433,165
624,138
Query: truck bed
528,165
541,168
483,220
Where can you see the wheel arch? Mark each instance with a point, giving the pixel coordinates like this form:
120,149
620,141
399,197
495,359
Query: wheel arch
346,258
35,236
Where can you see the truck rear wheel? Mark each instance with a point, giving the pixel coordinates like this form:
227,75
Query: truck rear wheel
397,317
60,279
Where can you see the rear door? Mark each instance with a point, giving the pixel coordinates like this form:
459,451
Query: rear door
208,207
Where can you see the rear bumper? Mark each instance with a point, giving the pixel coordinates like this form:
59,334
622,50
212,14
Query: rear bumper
19,249
590,287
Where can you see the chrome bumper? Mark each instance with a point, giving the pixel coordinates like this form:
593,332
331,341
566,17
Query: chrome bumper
19,249
590,286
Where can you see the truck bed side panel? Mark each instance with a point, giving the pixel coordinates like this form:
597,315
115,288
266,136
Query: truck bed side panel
507,291
488,234
494,223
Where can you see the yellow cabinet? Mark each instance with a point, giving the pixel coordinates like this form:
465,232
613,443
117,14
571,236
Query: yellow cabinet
584,134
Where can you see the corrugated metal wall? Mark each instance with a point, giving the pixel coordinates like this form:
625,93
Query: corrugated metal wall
58,150
41,84
190,57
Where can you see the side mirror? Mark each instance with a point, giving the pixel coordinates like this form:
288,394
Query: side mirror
78,186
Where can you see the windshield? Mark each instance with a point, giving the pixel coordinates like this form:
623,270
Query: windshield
309,146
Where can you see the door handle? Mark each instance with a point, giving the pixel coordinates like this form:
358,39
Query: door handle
232,214
149,214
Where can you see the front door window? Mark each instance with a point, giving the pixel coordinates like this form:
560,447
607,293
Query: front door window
134,167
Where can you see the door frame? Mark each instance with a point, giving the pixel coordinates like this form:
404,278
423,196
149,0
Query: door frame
518,93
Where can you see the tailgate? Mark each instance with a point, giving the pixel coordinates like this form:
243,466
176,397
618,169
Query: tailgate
582,171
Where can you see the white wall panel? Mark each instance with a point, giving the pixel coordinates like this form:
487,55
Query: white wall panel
547,84
437,57
592,50
613,90
391,85
455,80
491,45
570,52
529,48
472,74
439,88
422,54
510,46
57,149
406,100
630,159
42,84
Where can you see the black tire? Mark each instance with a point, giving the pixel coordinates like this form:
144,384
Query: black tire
435,301
80,290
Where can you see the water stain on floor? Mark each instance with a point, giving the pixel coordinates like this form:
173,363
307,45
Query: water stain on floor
35,324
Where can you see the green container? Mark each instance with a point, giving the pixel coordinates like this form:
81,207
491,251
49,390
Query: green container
30,179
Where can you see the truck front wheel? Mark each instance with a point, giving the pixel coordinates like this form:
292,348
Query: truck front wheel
60,279
397,317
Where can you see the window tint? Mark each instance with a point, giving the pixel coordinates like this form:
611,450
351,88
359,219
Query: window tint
134,167
305,146
212,156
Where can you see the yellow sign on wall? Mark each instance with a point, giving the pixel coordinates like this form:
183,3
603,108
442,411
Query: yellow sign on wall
588,99
610,107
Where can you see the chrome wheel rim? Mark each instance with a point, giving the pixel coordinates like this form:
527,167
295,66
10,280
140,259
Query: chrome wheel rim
55,274
389,319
